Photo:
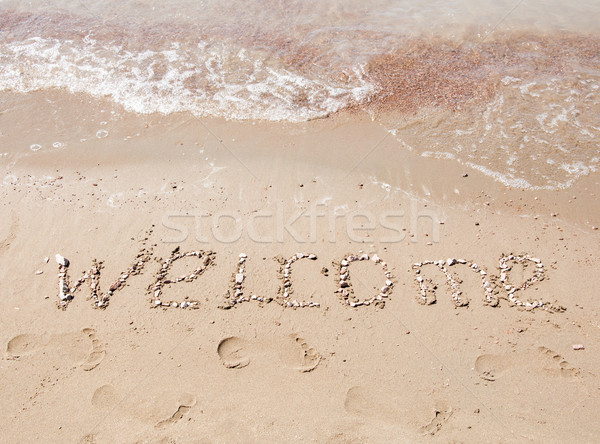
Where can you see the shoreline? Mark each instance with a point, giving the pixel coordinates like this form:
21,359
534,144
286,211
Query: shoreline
262,370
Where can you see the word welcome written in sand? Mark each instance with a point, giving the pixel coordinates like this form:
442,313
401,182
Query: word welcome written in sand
493,286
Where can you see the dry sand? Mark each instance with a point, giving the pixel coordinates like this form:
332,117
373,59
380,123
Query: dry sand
392,371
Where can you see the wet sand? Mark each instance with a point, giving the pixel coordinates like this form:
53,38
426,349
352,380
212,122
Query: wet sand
396,370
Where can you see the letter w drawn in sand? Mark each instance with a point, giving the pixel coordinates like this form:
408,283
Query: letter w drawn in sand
100,299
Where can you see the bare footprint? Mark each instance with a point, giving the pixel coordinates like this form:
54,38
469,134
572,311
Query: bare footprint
293,351
359,400
10,237
345,438
105,397
161,411
441,414
404,409
24,345
82,349
186,405
368,402
491,367
234,352
555,364
97,354
299,355
88,439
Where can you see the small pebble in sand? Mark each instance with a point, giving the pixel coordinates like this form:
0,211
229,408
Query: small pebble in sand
61,260
578,347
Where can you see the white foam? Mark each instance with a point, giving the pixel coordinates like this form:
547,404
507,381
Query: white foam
215,81
460,132
439,155
508,80
525,89
115,200
575,169
502,178
539,135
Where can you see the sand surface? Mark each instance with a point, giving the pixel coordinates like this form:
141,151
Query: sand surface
404,368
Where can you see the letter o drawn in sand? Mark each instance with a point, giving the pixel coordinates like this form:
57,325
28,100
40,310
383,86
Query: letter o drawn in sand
346,289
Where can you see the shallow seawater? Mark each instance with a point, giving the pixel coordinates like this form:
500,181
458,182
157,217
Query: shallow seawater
508,88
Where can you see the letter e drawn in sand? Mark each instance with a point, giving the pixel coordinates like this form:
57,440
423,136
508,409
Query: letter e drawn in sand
157,289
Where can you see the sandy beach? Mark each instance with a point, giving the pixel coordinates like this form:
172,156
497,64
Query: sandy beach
284,356
306,222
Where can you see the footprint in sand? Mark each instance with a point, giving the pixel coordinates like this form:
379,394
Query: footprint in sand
160,411
234,352
379,403
491,367
10,237
555,364
370,403
441,414
82,349
345,438
293,352
299,355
